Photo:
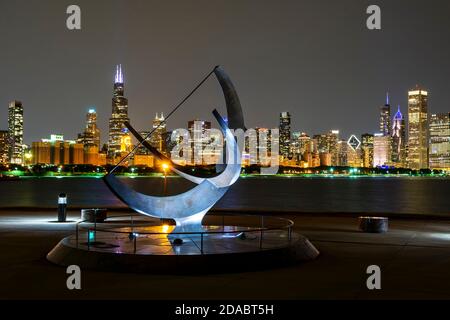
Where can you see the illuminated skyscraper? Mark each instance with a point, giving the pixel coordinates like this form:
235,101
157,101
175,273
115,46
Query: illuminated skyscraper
313,154
126,144
258,146
354,142
322,142
285,134
398,140
143,156
381,150
367,150
354,152
304,143
440,141
295,148
343,153
90,139
333,140
91,135
199,137
385,118
157,139
119,115
418,129
329,144
15,129
142,150
300,148
4,147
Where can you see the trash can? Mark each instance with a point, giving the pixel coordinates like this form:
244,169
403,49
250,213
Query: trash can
62,207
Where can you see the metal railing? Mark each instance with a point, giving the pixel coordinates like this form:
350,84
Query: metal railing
287,226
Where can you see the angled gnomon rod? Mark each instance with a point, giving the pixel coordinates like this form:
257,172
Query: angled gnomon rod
164,121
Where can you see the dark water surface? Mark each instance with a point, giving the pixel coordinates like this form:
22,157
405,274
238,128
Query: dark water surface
418,195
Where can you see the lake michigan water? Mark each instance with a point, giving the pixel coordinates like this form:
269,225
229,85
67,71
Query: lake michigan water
411,195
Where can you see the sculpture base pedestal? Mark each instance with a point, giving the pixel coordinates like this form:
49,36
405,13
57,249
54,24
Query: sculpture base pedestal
212,252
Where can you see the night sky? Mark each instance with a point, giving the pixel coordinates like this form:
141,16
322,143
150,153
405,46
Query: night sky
315,59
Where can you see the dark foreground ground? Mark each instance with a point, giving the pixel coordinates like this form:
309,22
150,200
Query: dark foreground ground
414,258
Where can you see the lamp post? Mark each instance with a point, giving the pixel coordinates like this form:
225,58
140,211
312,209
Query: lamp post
62,207
165,167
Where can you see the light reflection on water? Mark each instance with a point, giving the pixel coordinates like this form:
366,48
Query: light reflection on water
400,194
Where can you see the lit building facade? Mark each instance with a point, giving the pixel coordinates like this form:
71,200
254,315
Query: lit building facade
285,134
258,146
381,150
313,157
157,139
91,155
15,129
91,135
354,152
90,139
333,139
302,149
325,159
145,160
367,150
398,140
322,143
57,151
329,144
199,137
343,153
296,147
440,141
141,149
385,118
417,129
119,116
4,147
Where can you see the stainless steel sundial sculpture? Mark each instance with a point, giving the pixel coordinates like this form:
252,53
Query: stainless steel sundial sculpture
189,208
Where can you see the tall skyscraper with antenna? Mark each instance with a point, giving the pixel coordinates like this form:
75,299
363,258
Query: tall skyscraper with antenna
117,129
398,139
385,118
157,139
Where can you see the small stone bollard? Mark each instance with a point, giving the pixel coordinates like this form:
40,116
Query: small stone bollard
374,224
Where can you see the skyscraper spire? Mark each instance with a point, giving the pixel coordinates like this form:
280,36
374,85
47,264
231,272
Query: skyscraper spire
385,117
398,115
119,75
119,116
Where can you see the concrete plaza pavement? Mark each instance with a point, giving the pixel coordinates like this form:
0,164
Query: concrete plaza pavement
414,257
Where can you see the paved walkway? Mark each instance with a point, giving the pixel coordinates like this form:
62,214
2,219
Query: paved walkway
414,258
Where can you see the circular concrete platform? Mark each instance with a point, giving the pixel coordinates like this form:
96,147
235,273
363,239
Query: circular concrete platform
152,249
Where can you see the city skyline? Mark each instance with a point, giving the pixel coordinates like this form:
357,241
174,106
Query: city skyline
428,136
292,125
324,67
